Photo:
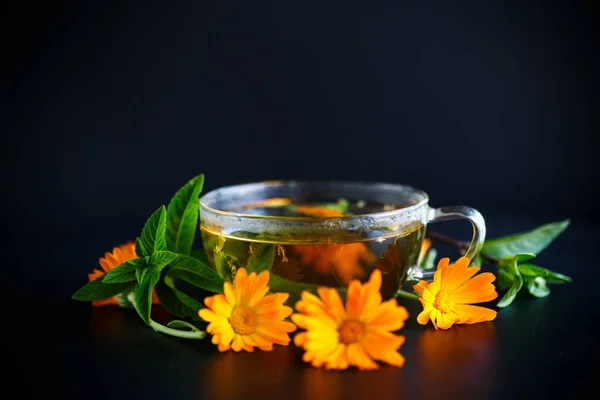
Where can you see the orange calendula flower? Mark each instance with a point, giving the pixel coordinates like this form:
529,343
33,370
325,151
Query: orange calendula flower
119,255
319,211
446,300
244,318
355,335
425,246
347,261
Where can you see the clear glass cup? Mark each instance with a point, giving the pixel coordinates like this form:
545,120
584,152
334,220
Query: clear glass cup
385,231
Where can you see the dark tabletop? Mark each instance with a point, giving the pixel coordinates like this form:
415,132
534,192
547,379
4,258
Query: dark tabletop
53,345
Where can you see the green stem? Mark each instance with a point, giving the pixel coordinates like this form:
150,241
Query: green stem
407,295
165,329
175,332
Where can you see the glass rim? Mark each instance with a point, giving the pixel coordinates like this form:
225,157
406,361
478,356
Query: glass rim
284,182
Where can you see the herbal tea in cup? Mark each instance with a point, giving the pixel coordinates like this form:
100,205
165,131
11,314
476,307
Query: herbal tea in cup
323,233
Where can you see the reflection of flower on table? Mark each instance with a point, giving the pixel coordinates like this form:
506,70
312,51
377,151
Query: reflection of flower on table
235,376
468,349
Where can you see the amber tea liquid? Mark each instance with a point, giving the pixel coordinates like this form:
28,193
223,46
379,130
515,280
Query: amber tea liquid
323,260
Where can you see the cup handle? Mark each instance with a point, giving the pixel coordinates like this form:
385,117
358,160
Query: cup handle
452,213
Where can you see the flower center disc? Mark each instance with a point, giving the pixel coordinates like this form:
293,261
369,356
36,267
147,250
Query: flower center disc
243,320
443,302
351,331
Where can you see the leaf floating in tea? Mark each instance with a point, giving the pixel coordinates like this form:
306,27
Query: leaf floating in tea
226,265
261,257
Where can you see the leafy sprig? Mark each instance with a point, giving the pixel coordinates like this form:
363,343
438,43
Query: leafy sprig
164,248
511,255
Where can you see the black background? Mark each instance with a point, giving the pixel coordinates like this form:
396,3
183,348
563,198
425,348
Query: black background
109,107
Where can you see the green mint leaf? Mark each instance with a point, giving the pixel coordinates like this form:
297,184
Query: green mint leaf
139,249
196,280
124,272
510,268
123,300
505,280
536,286
162,258
549,276
177,324
98,290
143,293
176,302
197,273
200,255
140,272
295,289
528,242
262,256
153,234
182,216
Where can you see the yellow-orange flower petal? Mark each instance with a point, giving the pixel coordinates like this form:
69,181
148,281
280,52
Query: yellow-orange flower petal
358,333
245,317
347,261
118,256
446,300
425,246
319,211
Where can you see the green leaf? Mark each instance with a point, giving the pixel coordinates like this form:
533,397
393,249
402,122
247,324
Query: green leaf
123,300
200,255
549,276
98,290
124,272
226,265
143,293
176,302
521,257
182,216
261,258
177,324
197,273
510,268
140,272
528,242
537,286
295,289
139,249
162,258
153,234
505,280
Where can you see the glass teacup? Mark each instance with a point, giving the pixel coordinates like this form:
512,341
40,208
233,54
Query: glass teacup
324,233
